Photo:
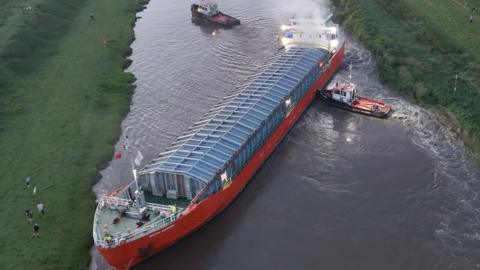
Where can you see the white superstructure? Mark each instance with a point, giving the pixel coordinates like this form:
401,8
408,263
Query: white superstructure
310,32
208,8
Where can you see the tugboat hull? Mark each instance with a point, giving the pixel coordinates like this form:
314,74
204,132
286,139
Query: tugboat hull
219,18
325,95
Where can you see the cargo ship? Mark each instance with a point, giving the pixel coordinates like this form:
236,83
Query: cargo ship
208,11
203,170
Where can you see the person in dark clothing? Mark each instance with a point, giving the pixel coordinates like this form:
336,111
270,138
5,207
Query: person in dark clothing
29,215
36,229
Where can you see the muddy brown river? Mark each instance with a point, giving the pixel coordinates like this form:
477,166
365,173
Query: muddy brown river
342,191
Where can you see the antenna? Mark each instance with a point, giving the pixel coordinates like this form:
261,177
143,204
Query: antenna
138,194
132,163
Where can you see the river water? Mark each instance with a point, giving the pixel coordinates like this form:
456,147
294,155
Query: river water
342,191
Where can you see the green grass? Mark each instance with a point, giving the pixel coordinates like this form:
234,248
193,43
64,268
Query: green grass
63,94
11,17
419,46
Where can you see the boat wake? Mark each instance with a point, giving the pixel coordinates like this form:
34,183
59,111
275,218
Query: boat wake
453,196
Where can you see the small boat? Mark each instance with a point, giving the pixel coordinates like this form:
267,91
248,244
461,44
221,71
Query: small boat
208,11
344,96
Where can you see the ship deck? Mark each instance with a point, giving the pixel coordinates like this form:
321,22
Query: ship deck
117,225
219,18
115,218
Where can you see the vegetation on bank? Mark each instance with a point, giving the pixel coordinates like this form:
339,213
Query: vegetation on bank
419,46
63,94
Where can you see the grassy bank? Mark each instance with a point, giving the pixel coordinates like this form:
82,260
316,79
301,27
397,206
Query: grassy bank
63,94
419,46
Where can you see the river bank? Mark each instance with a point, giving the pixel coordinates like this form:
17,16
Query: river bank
63,94
420,47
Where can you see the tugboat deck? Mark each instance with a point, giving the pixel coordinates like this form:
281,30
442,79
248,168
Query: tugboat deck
368,104
219,18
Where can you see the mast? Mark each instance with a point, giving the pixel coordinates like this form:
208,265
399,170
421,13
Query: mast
139,198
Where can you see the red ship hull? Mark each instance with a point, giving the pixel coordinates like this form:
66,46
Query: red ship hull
196,215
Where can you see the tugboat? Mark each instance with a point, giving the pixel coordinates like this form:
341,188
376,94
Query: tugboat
344,96
208,11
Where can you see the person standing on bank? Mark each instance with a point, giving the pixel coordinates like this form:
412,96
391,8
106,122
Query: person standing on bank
28,179
41,208
29,215
36,229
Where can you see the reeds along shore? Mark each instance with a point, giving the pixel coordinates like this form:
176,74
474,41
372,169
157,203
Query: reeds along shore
429,52
63,94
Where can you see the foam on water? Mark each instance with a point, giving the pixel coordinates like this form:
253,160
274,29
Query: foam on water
455,182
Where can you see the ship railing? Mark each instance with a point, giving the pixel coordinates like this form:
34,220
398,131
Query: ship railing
119,203
156,223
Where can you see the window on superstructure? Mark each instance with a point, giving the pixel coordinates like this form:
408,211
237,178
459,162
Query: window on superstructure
270,124
171,182
254,143
278,115
237,164
248,149
244,154
264,132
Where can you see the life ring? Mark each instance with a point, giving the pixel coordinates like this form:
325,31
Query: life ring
123,241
